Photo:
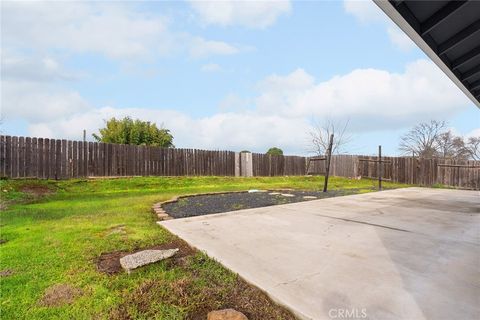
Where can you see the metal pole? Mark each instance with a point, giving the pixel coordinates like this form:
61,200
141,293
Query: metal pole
84,135
379,168
329,155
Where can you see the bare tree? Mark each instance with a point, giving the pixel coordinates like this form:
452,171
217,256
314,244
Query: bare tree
473,148
320,135
445,144
422,140
450,146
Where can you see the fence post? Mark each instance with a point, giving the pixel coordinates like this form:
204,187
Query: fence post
329,155
237,164
379,168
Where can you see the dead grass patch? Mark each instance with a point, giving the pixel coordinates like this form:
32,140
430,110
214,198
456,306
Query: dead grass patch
6,273
60,294
36,190
120,229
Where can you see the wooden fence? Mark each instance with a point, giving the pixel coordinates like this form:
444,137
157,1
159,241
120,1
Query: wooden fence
425,172
340,166
272,165
61,159
22,157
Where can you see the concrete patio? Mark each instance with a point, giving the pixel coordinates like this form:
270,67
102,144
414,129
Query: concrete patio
399,254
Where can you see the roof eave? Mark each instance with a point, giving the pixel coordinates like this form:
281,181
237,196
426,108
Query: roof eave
396,17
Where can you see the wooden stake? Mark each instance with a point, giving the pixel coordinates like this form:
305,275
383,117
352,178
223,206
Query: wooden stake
329,156
379,168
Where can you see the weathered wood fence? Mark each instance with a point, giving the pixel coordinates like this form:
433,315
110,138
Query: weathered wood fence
340,166
272,165
419,171
425,172
62,159
22,157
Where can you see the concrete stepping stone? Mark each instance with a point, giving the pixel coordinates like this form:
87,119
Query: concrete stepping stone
288,195
142,258
274,193
309,197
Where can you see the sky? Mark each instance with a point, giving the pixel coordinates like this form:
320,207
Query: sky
223,75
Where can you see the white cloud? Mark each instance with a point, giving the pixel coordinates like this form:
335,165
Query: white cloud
114,29
16,66
201,48
280,93
280,114
31,89
35,102
473,133
233,103
400,39
364,10
211,67
382,98
251,14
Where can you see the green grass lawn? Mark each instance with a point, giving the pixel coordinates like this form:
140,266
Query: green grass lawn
55,238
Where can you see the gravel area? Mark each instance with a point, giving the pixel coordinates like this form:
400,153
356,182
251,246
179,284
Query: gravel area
207,204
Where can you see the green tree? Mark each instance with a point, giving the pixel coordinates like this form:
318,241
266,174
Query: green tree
274,151
129,131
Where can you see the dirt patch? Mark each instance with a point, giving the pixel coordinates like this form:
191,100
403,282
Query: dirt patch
109,262
197,301
60,294
254,303
6,273
36,190
2,241
120,229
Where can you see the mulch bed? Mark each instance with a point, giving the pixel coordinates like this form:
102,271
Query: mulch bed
216,203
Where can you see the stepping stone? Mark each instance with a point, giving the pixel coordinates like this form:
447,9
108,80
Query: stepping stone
309,197
274,193
226,314
162,216
288,195
142,258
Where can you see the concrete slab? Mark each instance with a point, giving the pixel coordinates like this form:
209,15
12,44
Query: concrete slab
399,254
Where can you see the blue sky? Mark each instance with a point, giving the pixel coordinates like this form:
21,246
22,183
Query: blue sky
221,75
